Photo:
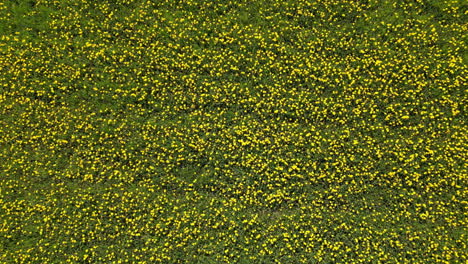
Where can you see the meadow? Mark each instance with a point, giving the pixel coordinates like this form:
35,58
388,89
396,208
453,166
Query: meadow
266,131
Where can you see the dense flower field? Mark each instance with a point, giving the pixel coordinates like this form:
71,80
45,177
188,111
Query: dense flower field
268,131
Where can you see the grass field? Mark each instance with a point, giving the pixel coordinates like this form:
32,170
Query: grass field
266,131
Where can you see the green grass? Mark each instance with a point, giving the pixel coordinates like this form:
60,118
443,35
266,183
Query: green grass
233,131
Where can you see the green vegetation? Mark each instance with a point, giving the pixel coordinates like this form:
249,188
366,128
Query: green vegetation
199,131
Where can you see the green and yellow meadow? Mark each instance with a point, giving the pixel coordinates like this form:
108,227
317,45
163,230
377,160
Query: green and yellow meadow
201,131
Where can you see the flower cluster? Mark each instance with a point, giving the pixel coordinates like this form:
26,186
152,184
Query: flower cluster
137,131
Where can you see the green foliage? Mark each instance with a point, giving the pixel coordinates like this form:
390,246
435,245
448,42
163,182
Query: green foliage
233,131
